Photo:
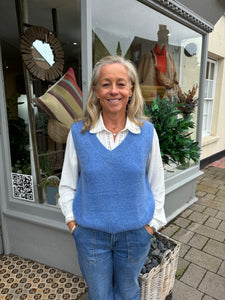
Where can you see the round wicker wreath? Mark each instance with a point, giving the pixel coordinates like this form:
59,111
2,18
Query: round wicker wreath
39,69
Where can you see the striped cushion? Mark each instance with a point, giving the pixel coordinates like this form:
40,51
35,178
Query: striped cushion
63,100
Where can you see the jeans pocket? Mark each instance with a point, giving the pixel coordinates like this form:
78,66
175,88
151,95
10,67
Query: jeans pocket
139,242
85,240
148,233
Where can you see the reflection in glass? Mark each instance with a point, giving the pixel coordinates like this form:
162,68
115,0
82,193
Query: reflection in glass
166,72
42,54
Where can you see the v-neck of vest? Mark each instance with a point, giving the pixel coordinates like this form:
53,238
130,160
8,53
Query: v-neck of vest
101,148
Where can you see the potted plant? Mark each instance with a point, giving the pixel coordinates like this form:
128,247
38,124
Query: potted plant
187,101
50,187
175,140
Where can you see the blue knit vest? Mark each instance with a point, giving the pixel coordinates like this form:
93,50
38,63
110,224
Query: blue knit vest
113,193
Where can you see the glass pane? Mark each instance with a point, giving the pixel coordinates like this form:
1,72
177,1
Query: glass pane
207,70
212,70
210,89
166,53
50,136
206,89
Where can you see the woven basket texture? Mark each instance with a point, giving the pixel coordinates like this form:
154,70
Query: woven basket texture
159,282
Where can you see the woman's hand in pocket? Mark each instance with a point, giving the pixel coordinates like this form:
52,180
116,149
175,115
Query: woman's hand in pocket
149,229
72,226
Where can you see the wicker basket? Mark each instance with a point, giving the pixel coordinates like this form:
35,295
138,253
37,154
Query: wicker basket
158,283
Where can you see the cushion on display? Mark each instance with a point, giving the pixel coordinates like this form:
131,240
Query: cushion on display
63,100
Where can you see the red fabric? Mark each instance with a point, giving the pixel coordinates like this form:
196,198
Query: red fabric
161,58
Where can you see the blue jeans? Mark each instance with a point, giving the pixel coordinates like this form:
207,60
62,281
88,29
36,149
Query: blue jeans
111,263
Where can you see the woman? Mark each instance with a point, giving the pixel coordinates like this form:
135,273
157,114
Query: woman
112,184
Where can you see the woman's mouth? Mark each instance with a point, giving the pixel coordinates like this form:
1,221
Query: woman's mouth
114,100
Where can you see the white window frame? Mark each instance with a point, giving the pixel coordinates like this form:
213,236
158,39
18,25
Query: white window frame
209,101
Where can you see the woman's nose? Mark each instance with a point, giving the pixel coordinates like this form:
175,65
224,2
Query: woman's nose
114,89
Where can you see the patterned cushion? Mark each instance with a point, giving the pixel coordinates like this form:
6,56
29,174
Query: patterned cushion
63,100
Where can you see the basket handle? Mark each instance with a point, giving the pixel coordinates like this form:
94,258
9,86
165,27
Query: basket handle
166,255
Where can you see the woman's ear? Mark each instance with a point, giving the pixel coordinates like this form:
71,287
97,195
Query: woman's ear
131,92
96,92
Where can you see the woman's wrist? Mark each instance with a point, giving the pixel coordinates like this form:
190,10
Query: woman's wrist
72,226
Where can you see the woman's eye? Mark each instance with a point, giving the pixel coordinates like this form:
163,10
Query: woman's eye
105,84
121,84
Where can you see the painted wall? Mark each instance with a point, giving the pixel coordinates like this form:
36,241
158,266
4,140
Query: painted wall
216,50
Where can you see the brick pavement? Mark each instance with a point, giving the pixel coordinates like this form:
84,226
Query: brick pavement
201,231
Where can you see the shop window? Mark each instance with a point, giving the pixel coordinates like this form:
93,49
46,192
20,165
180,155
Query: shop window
210,83
166,53
50,149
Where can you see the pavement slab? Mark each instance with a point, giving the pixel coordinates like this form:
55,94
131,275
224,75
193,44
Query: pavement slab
215,248
198,241
213,285
193,275
207,231
203,260
182,291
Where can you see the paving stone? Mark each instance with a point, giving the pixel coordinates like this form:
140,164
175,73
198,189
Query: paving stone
197,207
186,213
183,236
213,184
183,249
206,188
222,226
209,196
182,222
185,292
210,211
170,230
220,198
202,259
198,241
215,248
198,217
193,275
212,222
220,215
213,285
207,231
206,297
221,187
213,204
220,177
200,194
221,270
181,267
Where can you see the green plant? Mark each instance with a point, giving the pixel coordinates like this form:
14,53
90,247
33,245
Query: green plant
174,133
51,181
45,165
18,137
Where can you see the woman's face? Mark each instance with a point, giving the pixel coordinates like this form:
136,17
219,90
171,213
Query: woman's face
113,89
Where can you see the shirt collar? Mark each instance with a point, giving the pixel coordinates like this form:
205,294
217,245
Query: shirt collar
130,126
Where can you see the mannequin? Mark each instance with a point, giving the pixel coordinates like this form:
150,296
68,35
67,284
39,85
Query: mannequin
157,68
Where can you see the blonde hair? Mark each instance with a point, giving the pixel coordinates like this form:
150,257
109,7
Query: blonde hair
135,103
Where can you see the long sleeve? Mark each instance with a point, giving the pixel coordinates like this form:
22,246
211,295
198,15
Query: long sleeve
155,173
69,178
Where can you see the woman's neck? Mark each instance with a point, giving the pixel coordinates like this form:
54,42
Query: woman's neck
114,124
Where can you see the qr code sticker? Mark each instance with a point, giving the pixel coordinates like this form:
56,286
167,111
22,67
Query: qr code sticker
22,186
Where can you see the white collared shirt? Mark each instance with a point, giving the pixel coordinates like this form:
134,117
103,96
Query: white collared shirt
154,169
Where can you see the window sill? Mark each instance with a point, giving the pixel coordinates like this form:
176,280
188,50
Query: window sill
207,140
